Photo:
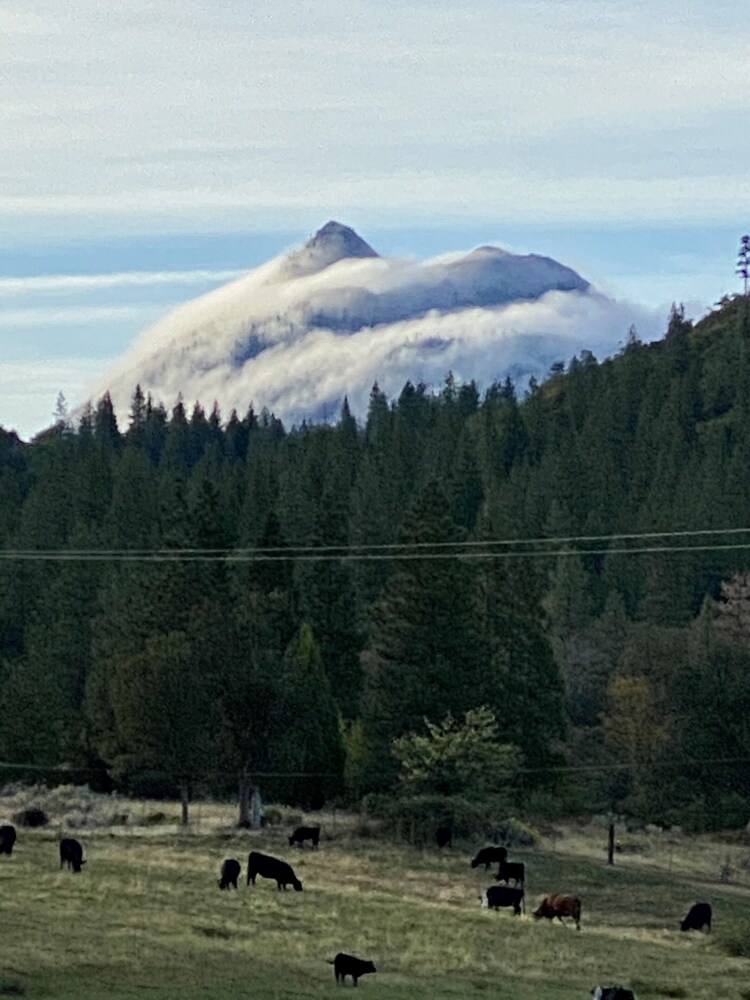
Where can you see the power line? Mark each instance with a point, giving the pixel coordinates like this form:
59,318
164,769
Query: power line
167,556
464,549
289,551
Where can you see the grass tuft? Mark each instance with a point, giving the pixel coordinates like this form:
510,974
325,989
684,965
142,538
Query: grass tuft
736,940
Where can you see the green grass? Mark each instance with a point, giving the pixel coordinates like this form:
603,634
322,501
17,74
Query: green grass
146,918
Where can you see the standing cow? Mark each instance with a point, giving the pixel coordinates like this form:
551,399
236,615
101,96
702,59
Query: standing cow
560,906
268,867
71,853
508,870
7,839
349,965
488,856
230,872
698,918
444,836
303,833
497,896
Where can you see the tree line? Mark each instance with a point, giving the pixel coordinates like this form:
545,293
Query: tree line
156,658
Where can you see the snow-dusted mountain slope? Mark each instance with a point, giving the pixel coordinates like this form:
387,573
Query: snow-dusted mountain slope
328,319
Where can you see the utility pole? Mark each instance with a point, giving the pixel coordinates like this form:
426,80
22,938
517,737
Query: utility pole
743,261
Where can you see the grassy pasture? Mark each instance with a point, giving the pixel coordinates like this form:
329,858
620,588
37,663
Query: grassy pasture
146,918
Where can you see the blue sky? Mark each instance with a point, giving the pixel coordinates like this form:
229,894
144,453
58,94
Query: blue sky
150,152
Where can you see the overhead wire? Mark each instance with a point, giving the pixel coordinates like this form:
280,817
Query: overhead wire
464,549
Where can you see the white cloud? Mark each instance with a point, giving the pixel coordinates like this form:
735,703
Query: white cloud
196,112
73,316
298,339
40,284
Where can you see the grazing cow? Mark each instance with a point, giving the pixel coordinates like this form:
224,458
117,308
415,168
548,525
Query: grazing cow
303,833
502,895
444,836
71,853
612,993
347,965
698,918
7,839
560,906
230,872
268,867
488,856
511,870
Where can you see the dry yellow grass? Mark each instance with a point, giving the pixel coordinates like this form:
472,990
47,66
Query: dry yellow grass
145,917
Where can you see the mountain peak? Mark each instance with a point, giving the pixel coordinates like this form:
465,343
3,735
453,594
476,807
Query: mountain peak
339,238
332,243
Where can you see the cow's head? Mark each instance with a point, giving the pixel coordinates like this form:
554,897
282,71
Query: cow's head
297,885
544,910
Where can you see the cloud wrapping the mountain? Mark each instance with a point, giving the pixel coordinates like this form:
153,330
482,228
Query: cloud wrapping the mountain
329,319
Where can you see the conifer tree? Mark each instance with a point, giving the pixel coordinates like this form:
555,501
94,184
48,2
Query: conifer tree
424,658
312,746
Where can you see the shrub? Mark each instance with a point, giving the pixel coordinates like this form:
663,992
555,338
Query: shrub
273,816
32,816
11,988
416,818
514,833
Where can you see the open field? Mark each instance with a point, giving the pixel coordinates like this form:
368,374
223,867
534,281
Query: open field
145,918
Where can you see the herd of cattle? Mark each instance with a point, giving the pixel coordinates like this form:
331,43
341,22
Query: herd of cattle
494,897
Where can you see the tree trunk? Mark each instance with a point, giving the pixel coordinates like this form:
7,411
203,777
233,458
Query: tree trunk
245,789
256,805
611,845
185,800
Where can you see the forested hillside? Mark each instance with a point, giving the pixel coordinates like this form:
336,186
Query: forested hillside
193,600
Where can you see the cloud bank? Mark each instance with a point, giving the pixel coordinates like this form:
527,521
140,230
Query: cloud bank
327,320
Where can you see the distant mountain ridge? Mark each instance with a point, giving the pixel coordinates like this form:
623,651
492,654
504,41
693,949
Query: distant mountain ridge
329,318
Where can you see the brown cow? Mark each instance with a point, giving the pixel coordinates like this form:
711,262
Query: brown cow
560,906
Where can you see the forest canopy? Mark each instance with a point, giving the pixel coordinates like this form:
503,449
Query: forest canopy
189,601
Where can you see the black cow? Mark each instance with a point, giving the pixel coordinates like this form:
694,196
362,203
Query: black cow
71,853
7,839
303,833
488,856
698,918
347,965
612,993
502,895
444,836
268,867
511,870
230,872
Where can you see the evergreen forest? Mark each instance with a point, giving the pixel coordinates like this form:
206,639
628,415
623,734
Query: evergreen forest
197,602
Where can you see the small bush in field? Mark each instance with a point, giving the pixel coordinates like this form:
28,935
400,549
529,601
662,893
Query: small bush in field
155,819
514,833
32,816
11,988
273,817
